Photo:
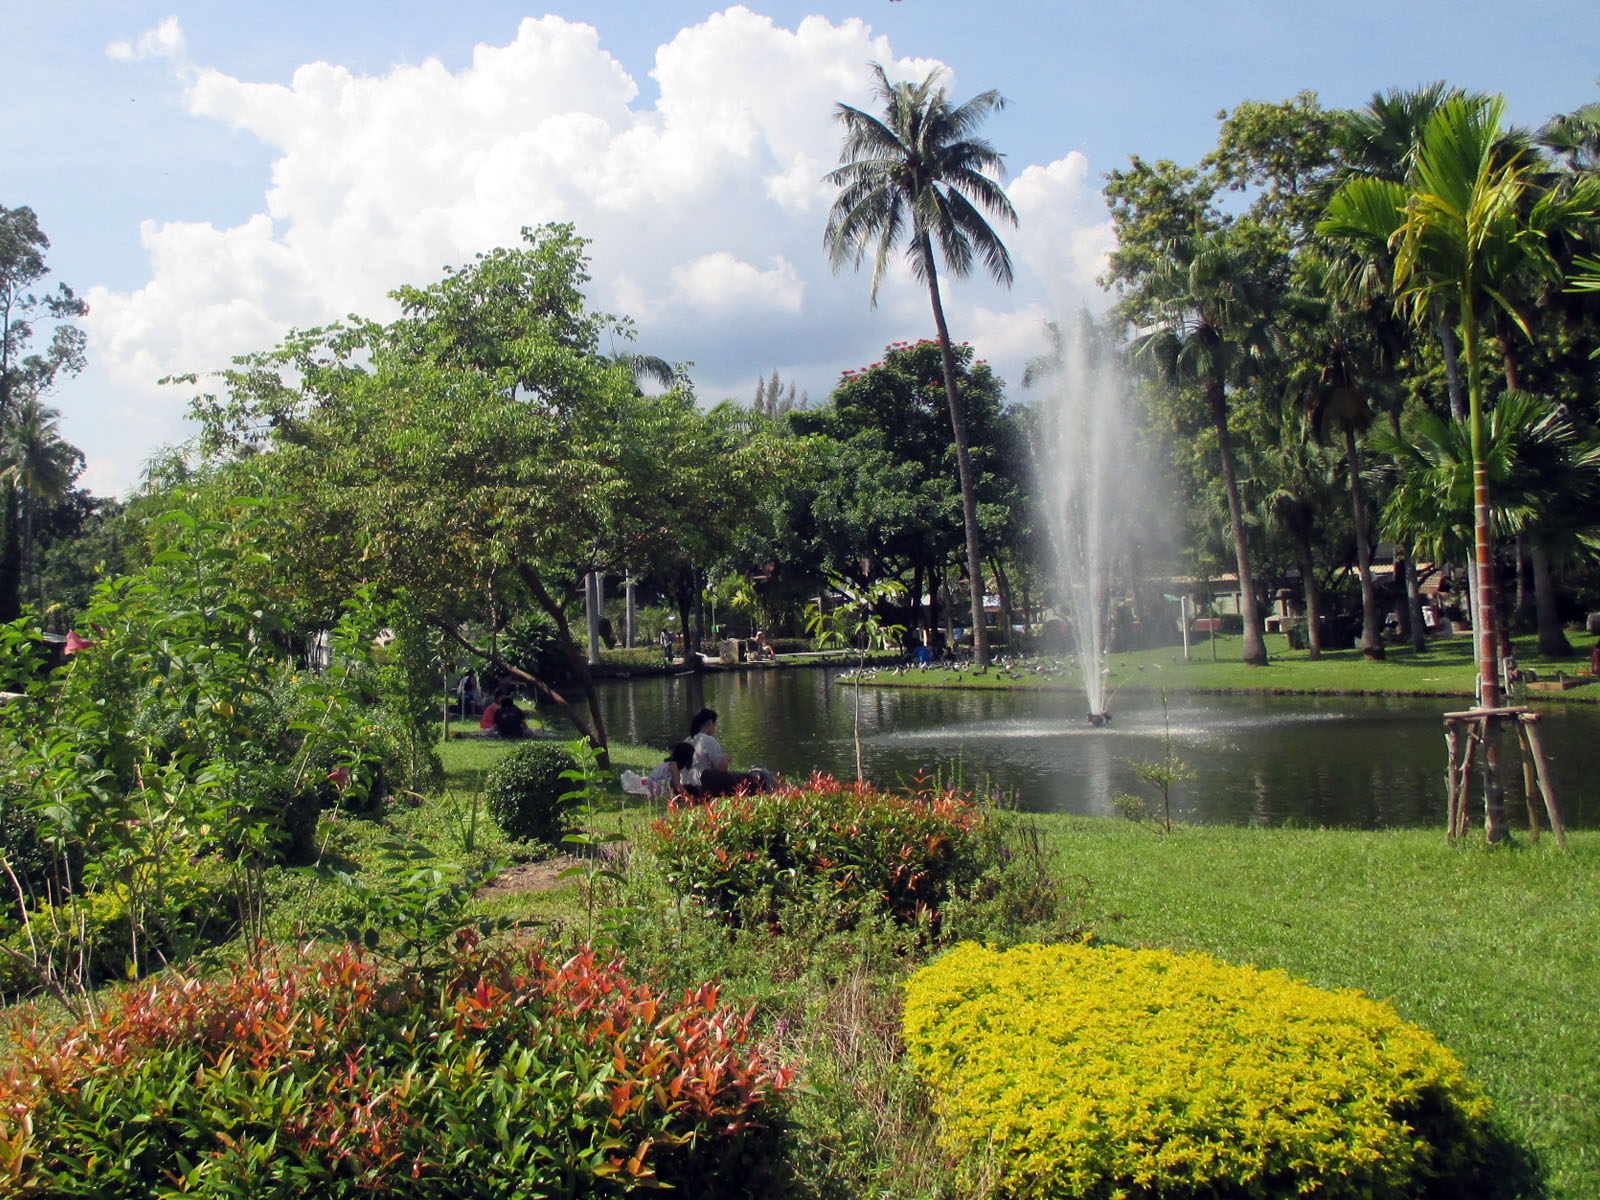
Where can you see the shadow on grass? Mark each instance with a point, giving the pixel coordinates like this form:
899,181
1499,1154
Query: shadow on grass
1508,1171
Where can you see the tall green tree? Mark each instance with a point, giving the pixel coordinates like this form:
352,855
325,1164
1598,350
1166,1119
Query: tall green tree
479,455
1209,328
41,465
1460,228
26,370
918,174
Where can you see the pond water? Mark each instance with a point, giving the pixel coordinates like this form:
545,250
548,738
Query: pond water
1355,762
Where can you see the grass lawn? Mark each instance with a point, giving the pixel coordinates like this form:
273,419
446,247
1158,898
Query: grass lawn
1445,668
1491,951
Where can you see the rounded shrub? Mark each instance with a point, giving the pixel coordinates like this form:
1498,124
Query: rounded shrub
1094,1072
524,791
904,855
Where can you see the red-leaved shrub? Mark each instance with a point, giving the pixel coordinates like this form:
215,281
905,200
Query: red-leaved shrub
513,1073
902,853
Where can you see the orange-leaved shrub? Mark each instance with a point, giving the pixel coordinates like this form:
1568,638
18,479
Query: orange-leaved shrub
1101,1073
513,1072
902,853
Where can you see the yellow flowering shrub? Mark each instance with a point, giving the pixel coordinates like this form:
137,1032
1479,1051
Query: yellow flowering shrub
1105,1073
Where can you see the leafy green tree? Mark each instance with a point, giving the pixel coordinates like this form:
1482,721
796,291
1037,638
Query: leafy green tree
918,173
1544,475
886,505
41,466
79,540
1210,329
479,455
28,375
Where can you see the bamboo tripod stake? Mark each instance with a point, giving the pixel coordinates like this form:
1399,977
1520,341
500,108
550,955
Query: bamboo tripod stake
1474,723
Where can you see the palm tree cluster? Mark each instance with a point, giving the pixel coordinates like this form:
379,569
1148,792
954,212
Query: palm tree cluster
37,467
1402,300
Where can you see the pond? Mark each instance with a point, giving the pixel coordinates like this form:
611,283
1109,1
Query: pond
1356,762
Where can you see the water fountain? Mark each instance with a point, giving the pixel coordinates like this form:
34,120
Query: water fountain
1088,485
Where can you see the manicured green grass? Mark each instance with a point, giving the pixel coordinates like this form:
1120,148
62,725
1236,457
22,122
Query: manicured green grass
1491,951
1445,668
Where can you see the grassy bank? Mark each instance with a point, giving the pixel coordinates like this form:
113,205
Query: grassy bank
1491,951
1444,668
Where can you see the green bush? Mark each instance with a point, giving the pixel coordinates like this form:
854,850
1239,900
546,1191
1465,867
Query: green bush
524,791
904,855
1093,1073
515,1072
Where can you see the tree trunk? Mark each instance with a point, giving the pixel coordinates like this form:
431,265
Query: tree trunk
1419,627
1007,608
1255,645
1371,618
595,730
1552,638
1483,555
917,610
1522,602
1402,610
10,555
958,429
1313,593
1452,366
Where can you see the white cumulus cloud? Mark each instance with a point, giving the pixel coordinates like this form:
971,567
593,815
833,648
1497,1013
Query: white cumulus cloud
705,207
719,284
166,40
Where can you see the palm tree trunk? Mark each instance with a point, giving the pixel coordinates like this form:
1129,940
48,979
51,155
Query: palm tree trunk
1255,645
1313,593
1452,367
958,430
1007,606
1419,627
1488,657
1552,639
1371,618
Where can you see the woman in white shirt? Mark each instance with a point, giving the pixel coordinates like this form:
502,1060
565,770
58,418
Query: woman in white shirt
709,771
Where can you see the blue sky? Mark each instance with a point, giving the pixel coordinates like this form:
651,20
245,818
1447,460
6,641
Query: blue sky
207,188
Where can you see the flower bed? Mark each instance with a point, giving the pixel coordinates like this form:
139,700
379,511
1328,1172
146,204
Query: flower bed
513,1074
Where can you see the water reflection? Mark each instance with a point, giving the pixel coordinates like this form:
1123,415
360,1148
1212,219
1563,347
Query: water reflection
1360,762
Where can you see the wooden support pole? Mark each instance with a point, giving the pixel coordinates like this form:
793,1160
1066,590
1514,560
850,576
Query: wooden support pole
1463,785
1452,744
1530,723
1528,786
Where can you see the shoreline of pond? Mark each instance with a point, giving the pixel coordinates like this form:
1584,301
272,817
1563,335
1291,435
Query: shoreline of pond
623,674
1202,690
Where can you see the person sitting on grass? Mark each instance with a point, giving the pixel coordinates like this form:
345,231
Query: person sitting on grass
709,771
668,778
509,720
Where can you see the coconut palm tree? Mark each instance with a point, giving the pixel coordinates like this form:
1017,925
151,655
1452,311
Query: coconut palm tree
917,174
40,465
1574,137
1210,329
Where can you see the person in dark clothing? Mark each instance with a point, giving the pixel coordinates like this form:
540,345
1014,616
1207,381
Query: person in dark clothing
509,720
